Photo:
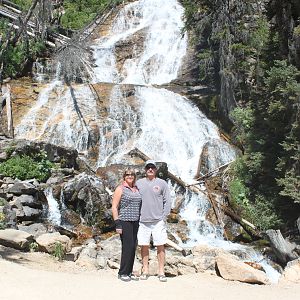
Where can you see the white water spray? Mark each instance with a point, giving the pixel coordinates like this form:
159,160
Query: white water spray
54,215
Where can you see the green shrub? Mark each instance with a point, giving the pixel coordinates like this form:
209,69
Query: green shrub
59,251
2,221
261,213
2,201
25,167
79,13
33,247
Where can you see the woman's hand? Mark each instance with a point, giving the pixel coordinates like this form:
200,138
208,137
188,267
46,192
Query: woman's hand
119,229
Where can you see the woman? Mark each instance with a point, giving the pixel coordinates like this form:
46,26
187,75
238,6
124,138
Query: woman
126,206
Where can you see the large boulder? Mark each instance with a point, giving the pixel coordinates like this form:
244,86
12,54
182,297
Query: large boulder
20,188
291,272
65,156
48,242
231,268
86,195
35,229
15,239
29,200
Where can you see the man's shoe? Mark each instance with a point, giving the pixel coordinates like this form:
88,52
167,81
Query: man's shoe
124,277
162,278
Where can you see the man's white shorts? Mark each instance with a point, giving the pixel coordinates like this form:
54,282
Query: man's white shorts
158,231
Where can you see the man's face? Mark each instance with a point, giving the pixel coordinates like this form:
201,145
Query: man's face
150,170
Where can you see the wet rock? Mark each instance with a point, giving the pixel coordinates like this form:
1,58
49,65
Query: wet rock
87,195
70,217
63,155
64,231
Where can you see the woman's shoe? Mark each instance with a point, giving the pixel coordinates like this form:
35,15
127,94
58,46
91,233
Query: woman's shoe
134,277
124,277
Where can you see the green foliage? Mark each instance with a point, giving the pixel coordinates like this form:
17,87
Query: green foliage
297,31
16,56
2,221
261,213
33,247
10,149
25,167
24,4
2,201
243,119
79,13
59,251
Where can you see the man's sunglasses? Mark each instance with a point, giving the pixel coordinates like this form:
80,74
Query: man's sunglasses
150,167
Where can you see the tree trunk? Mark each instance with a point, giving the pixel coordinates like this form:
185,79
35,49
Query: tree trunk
283,249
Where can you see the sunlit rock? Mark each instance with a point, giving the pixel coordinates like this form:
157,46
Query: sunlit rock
15,239
48,242
232,269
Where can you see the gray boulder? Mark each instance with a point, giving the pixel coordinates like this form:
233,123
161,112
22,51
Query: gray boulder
15,239
20,188
35,229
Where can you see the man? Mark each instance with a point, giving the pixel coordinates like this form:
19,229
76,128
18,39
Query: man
156,205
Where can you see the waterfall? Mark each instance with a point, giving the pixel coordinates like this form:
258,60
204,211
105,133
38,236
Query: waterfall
54,119
164,125
172,129
54,215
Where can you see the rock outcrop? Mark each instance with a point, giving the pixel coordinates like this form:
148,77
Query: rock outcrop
16,239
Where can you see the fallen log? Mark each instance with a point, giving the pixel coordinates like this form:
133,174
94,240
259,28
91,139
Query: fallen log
210,173
144,157
183,251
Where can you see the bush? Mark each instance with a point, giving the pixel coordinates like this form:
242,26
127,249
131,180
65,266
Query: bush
33,247
25,167
261,213
2,221
59,251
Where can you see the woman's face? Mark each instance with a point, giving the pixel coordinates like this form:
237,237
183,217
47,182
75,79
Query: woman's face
129,178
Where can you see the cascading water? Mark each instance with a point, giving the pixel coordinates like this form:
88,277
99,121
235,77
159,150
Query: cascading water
172,129
53,117
54,215
165,126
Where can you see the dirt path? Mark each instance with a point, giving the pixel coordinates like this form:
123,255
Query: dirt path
36,276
